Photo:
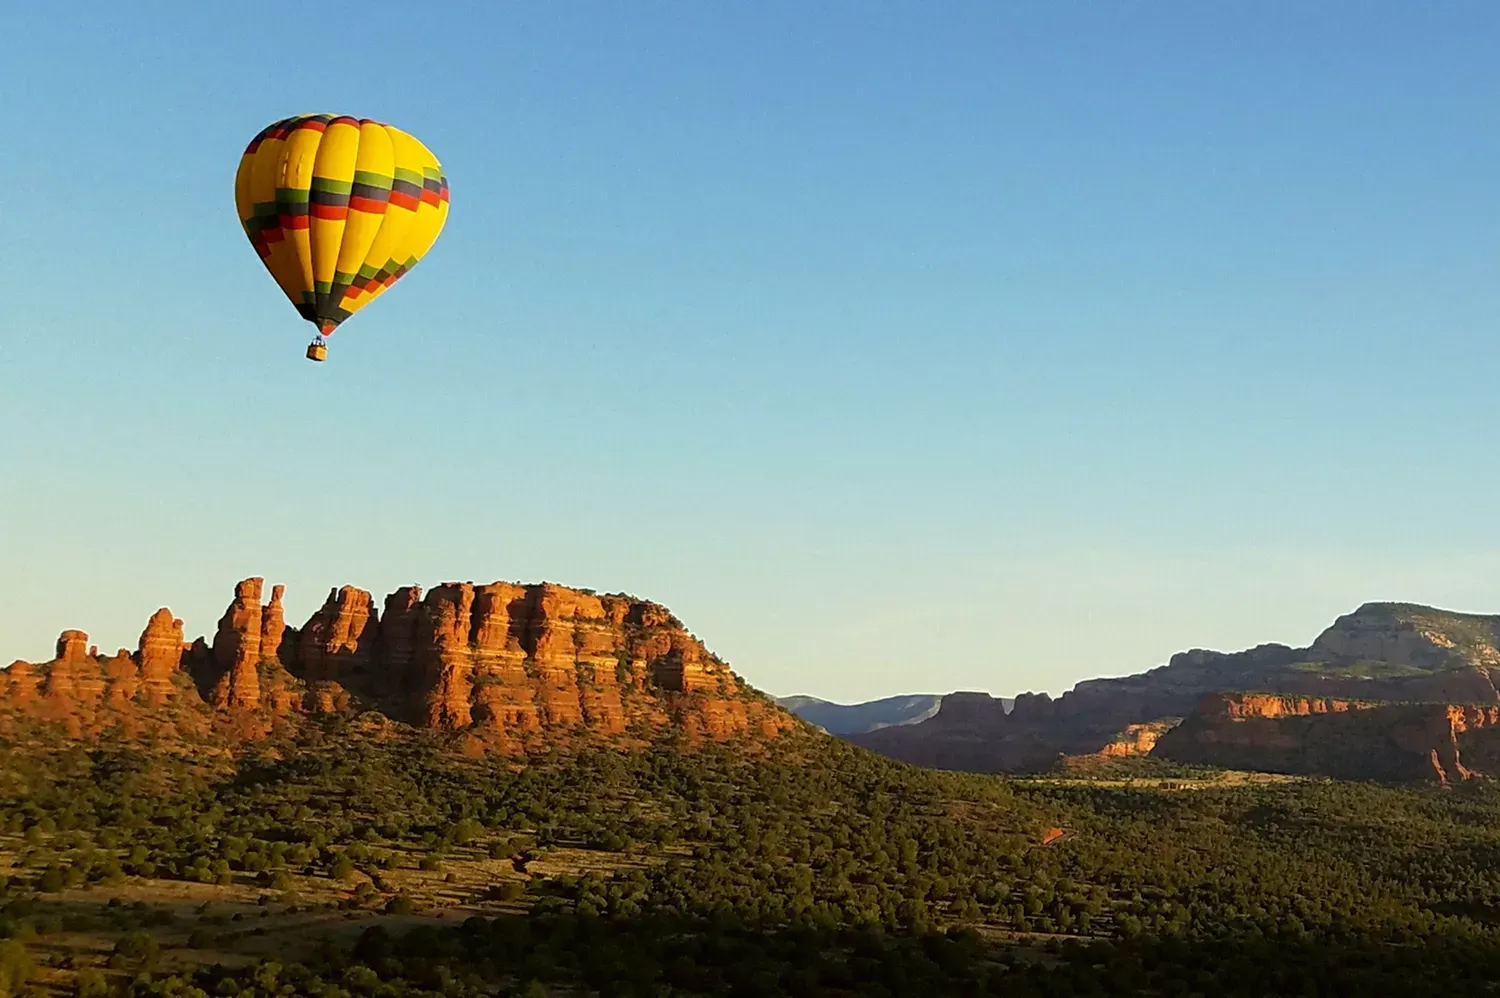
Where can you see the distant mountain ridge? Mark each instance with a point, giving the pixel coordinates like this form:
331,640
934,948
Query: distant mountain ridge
1388,653
855,718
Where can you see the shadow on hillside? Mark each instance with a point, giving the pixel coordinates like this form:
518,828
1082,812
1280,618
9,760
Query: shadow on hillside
647,954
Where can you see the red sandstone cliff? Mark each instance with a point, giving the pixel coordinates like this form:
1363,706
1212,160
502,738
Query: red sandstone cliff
509,666
1137,739
1339,738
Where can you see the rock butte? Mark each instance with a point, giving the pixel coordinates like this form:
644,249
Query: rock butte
511,667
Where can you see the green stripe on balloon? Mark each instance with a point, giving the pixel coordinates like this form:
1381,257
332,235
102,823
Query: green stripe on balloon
324,185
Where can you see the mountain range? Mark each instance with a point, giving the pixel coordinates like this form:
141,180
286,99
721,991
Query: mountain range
1391,689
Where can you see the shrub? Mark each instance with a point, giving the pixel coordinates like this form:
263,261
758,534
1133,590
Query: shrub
16,966
138,948
90,983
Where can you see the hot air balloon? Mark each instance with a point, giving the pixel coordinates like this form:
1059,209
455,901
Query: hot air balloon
339,209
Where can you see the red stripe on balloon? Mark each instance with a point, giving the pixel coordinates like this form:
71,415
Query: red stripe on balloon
369,205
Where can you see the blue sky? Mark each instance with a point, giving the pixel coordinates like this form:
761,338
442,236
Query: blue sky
895,347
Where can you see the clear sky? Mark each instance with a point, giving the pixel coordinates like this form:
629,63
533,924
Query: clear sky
896,346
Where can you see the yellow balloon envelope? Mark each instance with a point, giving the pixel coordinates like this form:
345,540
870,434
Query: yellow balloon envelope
339,209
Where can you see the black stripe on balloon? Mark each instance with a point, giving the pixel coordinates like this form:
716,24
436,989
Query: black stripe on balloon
371,192
328,310
329,200
408,188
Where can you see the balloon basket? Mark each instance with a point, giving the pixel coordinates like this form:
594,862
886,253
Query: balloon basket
317,350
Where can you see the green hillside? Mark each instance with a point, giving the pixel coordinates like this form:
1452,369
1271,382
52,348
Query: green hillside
348,865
